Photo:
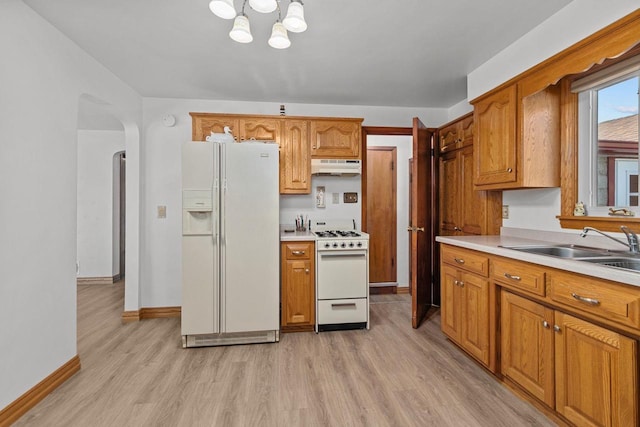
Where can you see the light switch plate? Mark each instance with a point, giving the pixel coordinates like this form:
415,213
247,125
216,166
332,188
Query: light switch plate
505,211
162,211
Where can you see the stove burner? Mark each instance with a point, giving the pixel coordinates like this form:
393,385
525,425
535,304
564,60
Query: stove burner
336,233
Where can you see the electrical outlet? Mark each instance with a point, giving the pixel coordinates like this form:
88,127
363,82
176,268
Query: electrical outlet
350,197
336,198
162,211
505,211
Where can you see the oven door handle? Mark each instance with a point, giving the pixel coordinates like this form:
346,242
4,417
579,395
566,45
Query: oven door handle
343,254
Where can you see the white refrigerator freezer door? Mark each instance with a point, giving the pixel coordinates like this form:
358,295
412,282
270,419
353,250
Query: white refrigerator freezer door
200,253
250,237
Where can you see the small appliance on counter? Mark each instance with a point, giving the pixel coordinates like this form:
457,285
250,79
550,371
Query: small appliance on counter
342,275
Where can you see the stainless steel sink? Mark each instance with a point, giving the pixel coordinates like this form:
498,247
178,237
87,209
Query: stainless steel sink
561,251
619,262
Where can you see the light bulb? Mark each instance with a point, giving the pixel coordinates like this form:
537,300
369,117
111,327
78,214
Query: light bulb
279,38
294,21
241,31
263,6
223,8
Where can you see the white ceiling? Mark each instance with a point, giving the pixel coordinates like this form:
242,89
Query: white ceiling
412,53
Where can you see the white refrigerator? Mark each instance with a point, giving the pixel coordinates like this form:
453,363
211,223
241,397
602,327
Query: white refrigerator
230,243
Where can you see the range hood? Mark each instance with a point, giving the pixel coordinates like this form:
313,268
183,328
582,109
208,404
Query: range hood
338,167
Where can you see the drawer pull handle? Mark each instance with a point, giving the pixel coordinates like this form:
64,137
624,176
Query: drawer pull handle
459,260
512,277
590,301
545,324
297,252
346,304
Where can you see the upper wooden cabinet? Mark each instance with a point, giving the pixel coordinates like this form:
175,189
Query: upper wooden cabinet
331,137
294,152
457,134
336,138
517,138
260,128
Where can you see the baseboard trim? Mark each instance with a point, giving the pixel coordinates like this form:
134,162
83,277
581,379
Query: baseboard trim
382,289
402,290
151,313
107,280
159,312
28,400
131,316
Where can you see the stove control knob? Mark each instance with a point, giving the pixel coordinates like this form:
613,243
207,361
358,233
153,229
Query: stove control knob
350,244
359,244
343,245
335,245
326,245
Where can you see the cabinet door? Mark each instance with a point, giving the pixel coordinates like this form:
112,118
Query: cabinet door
495,138
449,137
466,131
475,316
335,139
260,128
298,286
449,192
527,346
295,159
596,374
472,216
203,125
450,303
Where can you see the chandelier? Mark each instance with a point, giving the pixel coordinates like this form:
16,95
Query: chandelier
241,31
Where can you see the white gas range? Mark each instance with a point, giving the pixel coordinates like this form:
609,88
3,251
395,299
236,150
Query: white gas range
342,275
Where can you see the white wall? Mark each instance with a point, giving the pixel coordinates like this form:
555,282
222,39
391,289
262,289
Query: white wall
42,77
161,272
404,146
537,209
96,202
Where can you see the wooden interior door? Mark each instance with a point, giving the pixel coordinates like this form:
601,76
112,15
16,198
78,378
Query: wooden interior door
382,218
422,222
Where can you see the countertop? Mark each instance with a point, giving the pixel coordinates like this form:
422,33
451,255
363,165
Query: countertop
295,236
491,244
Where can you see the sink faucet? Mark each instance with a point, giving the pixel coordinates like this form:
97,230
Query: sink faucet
632,238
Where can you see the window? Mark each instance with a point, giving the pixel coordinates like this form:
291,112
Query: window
608,138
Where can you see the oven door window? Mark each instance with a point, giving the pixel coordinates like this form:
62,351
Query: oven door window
342,274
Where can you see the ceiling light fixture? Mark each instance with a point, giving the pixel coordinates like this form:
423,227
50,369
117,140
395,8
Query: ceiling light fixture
241,31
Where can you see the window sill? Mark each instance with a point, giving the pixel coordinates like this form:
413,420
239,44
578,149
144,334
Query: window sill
603,223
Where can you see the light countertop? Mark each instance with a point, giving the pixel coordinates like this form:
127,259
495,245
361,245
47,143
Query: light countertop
293,236
491,245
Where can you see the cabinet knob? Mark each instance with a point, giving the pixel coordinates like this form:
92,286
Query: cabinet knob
459,260
456,228
556,328
545,324
509,170
306,271
461,284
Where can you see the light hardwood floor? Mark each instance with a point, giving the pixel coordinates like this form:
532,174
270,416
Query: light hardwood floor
137,374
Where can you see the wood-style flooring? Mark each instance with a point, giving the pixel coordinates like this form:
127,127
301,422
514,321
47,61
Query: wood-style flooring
138,374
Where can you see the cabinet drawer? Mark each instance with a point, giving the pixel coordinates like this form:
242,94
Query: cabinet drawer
342,311
518,275
302,250
475,262
613,302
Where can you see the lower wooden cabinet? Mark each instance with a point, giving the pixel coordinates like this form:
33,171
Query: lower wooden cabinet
596,374
298,299
585,372
527,346
465,311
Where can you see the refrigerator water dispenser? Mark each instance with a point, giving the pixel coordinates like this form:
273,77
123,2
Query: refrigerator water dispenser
197,216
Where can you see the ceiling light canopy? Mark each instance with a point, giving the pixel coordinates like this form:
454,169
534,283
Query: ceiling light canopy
241,31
